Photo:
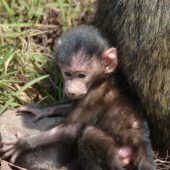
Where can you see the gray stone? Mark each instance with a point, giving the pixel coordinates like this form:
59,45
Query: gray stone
41,158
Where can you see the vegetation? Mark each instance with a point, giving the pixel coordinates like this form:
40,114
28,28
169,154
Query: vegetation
27,31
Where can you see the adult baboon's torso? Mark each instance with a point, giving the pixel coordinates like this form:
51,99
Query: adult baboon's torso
141,31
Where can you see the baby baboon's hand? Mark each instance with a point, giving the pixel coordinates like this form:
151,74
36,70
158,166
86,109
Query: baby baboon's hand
38,113
14,148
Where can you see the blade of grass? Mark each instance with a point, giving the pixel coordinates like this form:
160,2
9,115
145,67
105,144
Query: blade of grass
8,61
9,10
61,4
7,74
16,94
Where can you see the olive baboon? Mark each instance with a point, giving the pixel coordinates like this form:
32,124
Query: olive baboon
141,31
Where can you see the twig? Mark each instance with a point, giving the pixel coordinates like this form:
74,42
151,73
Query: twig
20,168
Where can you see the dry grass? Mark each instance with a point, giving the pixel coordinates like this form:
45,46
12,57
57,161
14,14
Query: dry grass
162,160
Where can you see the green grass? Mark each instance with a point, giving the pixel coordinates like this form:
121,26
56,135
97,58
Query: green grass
27,30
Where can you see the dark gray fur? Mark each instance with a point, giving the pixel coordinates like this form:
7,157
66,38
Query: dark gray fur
83,37
141,31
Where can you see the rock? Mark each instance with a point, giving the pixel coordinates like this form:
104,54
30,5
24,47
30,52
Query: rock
41,158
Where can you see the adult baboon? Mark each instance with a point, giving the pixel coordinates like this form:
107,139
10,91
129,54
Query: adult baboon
141,29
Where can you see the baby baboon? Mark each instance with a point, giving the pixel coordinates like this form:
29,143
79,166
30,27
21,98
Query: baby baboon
108,129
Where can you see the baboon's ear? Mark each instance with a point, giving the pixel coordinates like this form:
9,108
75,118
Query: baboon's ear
110,60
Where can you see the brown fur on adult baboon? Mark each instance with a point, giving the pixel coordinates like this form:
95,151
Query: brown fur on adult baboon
142,33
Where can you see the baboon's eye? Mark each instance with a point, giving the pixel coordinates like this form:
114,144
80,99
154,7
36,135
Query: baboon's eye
82,76
67,74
